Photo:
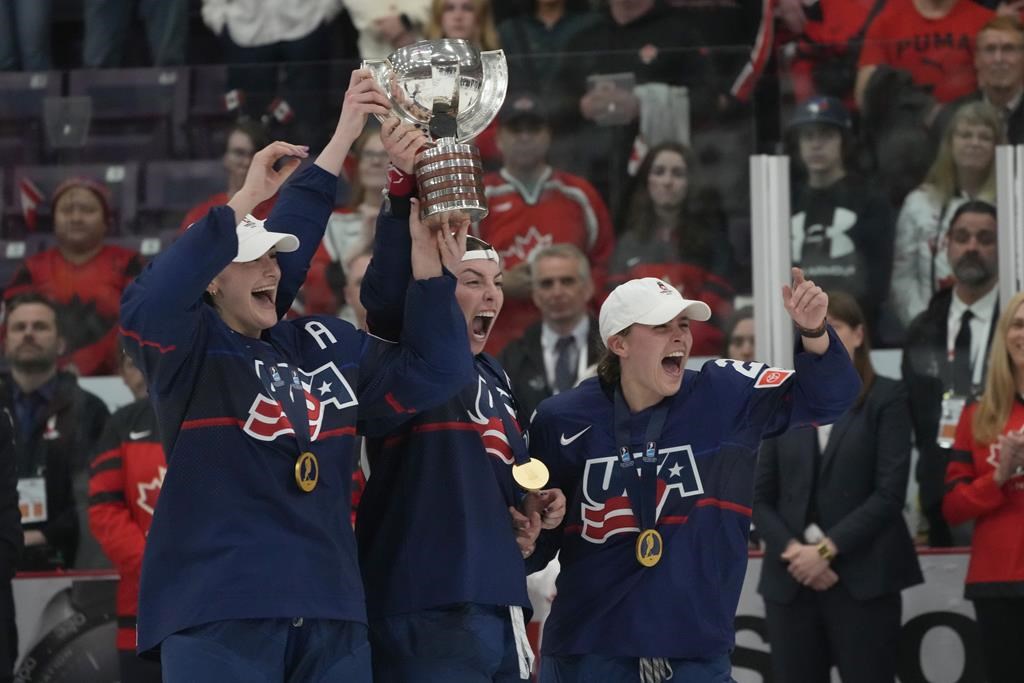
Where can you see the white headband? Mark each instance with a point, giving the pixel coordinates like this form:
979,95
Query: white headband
485,254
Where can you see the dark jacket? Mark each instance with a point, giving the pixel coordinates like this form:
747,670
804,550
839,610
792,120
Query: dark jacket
523,360
925,370
10,543
60,447
859,496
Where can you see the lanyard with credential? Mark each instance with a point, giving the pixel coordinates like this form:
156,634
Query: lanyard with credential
642,487
293,402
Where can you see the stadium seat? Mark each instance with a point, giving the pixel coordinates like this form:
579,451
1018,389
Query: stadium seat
136,113
208,115
21,113
122,179
14,252
171,188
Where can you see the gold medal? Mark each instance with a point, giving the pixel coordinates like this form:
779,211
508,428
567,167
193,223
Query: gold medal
532,475
307,471
648,548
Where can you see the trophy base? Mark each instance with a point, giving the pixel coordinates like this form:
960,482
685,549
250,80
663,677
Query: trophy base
451,183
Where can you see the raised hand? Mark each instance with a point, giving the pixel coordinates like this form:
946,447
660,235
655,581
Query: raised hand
806,303
402,141
363,97
451,243
263,180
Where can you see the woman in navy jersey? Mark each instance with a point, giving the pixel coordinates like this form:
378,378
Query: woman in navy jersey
249,571
657,463
444,569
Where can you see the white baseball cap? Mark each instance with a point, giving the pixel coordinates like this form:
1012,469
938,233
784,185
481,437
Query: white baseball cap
648,301
254,240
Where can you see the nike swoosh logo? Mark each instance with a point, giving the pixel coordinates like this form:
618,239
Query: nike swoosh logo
135,436
566,441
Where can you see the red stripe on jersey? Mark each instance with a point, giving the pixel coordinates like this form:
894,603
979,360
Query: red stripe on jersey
144,342
340,431
395,405
445,426
724,505
212,422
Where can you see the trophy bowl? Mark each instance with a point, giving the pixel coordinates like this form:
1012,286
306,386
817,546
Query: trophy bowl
452,91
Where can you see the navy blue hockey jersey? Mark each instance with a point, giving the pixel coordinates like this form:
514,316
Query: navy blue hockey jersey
684,606
233,536
433,525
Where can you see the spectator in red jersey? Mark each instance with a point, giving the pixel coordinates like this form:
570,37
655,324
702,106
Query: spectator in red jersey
933,40
672,231
244,139
985,483
827,35
124,483
532,206
83,276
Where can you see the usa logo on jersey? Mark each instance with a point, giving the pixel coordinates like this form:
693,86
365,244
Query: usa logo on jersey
606,509
326,393
489,425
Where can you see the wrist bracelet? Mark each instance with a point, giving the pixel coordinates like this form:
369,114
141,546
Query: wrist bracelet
812,333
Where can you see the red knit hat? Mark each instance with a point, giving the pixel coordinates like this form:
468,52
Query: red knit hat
97,188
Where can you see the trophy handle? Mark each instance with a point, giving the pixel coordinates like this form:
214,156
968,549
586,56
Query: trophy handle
492,95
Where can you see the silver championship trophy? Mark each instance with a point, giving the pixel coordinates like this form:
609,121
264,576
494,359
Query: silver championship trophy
452,91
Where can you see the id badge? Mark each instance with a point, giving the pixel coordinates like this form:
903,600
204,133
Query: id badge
32,499
952,406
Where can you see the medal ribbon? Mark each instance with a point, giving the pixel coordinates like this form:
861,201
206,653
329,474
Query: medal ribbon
642,488
294,406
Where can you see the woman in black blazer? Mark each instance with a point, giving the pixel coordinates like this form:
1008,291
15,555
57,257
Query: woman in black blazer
828,501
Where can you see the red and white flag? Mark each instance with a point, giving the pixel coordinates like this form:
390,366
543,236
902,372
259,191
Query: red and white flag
31,197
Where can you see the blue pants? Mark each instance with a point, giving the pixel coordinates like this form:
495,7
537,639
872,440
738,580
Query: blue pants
25,35
107,22
599,669
458,644
268,651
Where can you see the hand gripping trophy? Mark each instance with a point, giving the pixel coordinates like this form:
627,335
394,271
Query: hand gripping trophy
453,91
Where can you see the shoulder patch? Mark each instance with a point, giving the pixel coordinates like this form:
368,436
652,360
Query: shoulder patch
773,377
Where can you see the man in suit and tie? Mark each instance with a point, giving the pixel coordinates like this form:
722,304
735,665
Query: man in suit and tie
551,355
999,63
945,353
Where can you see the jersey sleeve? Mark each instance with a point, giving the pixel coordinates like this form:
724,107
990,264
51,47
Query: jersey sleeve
385,282
162,310
303,209
431,362
969,493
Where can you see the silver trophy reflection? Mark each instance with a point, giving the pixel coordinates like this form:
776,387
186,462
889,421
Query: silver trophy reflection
452,91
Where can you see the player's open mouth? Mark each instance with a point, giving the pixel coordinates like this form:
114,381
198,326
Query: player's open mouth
265,295
481,325
673,363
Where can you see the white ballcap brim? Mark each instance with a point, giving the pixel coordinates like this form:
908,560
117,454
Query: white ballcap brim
256,244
